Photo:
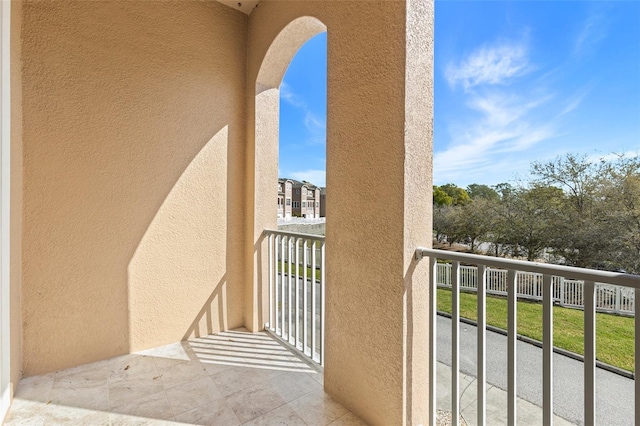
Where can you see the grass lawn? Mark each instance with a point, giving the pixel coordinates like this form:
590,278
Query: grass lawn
614,334
300,270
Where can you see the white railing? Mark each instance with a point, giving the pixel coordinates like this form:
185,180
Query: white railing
514,268
566,292
296,291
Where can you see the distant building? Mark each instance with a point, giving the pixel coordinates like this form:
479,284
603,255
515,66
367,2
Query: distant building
284,198
323,202
298,199
305,200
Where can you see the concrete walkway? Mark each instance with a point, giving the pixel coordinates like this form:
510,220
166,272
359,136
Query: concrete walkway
496,408
614,393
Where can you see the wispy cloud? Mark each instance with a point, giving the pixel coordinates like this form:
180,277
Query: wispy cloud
316,126
596,158
502,120
493,64
574,101
290,97
316,177
507,124
592,32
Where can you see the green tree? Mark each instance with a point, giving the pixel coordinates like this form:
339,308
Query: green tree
458,195
476,191
620,207
441,198
446,224
575,174
474,221
582,238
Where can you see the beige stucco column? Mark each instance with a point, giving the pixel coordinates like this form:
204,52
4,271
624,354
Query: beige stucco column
275,52
379,146
378,211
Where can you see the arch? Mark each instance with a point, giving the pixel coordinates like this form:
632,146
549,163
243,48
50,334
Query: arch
379,110
262,154
283,49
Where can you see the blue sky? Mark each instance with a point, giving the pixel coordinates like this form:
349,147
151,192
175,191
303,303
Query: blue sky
515,82
303,114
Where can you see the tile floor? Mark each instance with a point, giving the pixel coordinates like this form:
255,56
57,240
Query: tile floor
227,379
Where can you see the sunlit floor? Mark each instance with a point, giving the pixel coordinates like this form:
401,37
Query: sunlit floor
231,378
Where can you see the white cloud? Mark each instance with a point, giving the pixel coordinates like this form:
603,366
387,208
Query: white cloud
573,101
592,32
291,98
507,124
596,158
311,121
316,127
316,177
492,65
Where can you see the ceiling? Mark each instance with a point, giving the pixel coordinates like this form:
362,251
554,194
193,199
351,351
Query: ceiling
245,6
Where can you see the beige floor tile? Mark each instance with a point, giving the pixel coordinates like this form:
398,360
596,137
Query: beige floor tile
240,349
27,413
318,377
291,386
216,367
94,371
281,416
162,363
154,406
24,420
170,385
67,415
131,366
191,395
80,390
126,420
36,388
126,389
178,350
180,374
317,408
348,419
254,402
218,412
239,378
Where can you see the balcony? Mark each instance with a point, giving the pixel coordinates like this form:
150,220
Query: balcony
588,290
482,394
230,378
139,153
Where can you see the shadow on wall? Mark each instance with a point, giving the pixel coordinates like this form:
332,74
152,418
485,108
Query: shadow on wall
213,315
261,299
182,258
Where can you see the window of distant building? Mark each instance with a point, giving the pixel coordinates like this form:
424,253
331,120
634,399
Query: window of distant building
288,201
296,204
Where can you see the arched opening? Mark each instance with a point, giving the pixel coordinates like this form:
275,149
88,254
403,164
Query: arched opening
263,155
378,161
302,139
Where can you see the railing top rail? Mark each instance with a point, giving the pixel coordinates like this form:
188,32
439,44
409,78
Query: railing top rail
608,277
294,234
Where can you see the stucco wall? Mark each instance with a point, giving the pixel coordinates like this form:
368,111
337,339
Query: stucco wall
16,195
379,132
133,118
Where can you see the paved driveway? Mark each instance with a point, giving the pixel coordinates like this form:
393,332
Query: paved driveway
614,393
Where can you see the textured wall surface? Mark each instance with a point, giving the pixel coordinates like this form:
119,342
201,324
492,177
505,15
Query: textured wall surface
16,195
149,170
269,55
133,168
378,132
